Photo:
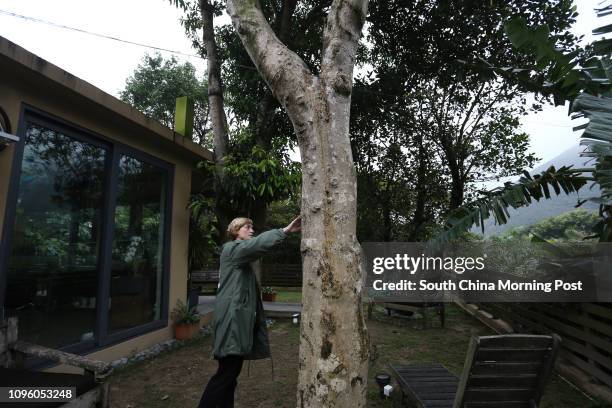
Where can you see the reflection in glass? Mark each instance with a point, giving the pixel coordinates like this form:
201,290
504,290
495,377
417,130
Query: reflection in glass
136,274
53,267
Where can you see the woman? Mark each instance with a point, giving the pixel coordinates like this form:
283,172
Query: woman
239,326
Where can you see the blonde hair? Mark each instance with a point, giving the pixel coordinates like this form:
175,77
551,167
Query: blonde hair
235,225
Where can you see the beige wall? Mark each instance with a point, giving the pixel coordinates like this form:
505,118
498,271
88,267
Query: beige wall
71,107
8,98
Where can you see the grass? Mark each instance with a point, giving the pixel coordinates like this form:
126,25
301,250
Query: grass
288,295
177,378
447,346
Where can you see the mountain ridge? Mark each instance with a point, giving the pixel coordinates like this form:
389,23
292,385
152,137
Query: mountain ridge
544,208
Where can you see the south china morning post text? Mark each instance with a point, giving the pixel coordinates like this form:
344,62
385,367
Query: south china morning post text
459,266
411,272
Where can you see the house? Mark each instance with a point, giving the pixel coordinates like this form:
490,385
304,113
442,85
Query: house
93,212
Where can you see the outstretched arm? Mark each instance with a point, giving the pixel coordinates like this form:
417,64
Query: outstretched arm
251,249
294,226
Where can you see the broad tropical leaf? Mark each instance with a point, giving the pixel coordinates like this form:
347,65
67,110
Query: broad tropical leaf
495,203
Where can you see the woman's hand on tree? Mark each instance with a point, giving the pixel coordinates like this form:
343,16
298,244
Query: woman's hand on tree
294,226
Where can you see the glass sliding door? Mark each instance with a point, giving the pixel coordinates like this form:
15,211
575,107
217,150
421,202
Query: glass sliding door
85,255
53,268
138,245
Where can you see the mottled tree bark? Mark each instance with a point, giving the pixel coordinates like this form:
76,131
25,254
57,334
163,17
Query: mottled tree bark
334,345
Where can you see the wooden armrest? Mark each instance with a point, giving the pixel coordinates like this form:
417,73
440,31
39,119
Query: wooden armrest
99,368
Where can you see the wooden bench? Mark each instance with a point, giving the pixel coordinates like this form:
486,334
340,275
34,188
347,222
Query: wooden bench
411,307
205,280
280,275
506,371
91,390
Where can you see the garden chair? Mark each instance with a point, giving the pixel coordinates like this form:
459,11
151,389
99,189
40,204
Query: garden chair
506,371
91,390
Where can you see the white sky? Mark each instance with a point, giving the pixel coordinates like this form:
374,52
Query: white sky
106,64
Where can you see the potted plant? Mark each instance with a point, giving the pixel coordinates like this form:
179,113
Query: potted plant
268,294
186,321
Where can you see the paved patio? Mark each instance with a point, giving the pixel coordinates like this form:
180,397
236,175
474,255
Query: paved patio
272,309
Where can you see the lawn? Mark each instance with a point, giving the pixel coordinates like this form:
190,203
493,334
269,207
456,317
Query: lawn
176,379
291,295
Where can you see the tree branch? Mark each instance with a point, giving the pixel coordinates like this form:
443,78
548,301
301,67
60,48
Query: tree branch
266,108
340,39
276,63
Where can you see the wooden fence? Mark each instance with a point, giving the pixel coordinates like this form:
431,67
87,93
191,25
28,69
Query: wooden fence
283,275
585,328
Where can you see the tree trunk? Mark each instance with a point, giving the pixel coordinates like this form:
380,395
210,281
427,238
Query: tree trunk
215,89
454,164
418,218
387,223
457,187
217,112
334,347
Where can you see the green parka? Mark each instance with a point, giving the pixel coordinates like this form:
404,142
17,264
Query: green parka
238,325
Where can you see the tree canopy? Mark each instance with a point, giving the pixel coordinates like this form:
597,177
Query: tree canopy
446,124
155,85
580,76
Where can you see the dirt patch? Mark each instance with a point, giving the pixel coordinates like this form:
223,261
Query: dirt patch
177,379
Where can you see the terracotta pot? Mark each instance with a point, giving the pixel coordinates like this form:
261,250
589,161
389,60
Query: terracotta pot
268,297
185,331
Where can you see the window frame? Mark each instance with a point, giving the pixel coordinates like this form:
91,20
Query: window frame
114,149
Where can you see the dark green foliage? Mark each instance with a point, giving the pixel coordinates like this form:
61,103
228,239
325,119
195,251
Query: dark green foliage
155,85
183,314
203,234
426,129
261,176
424,38
583,77
246,95
573,225
254,176
257,170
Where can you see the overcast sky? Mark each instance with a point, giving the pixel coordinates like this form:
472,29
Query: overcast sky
106,63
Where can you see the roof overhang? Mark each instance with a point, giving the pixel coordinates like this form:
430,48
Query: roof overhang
28,66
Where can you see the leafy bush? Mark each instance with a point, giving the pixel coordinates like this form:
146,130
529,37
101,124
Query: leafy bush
183,314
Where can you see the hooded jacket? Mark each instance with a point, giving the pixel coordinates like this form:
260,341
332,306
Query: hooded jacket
238,324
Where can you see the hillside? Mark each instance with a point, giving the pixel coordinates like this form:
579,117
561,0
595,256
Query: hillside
548,208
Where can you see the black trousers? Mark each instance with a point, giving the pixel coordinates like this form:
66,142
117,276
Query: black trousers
219,393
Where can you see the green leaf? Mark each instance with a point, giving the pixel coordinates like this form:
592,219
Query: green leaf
603,30
517,31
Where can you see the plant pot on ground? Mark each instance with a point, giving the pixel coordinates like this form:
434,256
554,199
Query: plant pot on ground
268,294
186,321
